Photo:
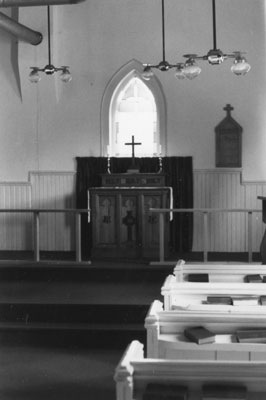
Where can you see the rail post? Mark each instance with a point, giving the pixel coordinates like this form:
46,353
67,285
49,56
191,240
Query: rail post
36,236
78,237
250,236
161,236
205,236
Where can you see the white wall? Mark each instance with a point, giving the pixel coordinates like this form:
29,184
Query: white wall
54,122
44,127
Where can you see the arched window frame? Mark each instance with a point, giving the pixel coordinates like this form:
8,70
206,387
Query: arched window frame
132,68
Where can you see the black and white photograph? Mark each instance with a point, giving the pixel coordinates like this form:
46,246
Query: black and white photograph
133,200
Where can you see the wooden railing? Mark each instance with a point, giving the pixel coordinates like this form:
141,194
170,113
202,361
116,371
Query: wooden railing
205,212
161,211
36,226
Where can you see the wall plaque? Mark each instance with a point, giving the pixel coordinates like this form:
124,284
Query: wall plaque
228,141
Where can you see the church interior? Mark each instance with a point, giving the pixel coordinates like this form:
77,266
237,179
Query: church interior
132,138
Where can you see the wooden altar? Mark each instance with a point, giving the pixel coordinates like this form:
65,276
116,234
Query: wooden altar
122,226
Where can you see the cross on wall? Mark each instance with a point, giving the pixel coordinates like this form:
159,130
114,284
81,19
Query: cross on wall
228,108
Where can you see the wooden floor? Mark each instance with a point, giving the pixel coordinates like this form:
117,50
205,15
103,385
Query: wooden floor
59,364
35,372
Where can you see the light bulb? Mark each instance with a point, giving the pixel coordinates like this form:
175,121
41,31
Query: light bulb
240,66
34,76
65,75
147,73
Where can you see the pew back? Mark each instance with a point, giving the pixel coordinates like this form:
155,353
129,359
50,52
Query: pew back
165,334
186,294
134,372
218,272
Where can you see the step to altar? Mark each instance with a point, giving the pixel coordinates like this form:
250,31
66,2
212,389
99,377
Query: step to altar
92,305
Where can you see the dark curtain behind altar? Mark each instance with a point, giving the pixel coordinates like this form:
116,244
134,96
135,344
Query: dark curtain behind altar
179,175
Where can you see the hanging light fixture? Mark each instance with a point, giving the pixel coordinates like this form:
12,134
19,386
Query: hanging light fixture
49,69
189,69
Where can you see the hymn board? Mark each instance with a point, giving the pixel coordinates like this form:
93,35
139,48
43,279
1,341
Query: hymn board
122,226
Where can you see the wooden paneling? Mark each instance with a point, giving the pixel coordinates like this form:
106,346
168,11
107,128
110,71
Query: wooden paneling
217,188
220,188
54,190
15,228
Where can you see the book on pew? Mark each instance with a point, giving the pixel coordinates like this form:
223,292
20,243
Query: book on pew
251,335
199,335
160,391
198,277
263,300
223,392
219,300
245,300
264,279
253,278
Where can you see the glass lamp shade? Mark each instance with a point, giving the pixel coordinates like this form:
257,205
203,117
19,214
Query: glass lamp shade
179,73
65,76
191,70
147,73
34,76
240,66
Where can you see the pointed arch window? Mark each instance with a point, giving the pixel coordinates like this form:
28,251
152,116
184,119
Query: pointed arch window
133,112
133,107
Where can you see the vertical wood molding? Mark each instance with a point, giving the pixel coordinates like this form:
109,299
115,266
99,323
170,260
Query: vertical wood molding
15,228
223,188
54,190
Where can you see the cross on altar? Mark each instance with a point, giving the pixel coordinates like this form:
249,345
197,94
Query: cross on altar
133,144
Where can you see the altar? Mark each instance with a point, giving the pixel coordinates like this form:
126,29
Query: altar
119,193
122,226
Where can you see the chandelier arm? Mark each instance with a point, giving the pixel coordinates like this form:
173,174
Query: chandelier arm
214,24
159,66
230,55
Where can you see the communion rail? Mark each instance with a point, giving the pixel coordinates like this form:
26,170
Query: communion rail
205,213
36,226
161,211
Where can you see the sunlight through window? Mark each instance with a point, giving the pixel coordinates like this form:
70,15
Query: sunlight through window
134,113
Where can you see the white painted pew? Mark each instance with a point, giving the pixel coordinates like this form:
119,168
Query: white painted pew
134,372
165,338
218,272
191,294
